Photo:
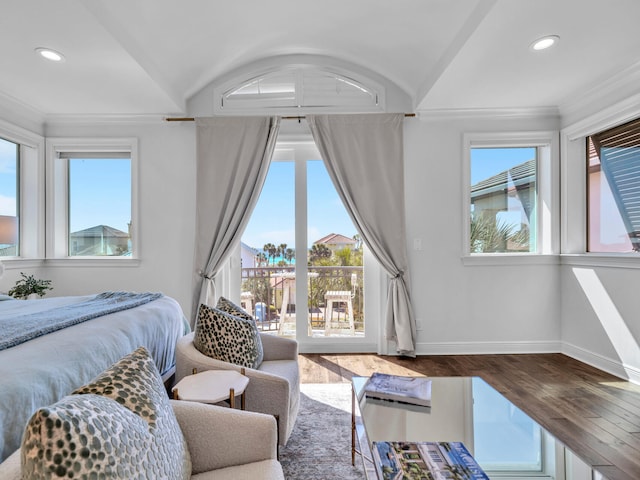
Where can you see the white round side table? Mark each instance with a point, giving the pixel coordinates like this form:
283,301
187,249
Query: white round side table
212,386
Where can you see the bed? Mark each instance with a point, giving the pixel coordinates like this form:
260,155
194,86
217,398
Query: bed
42,370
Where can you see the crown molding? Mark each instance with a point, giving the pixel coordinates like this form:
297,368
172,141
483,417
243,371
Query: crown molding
611,93
439,114
109,119
21,114
604,118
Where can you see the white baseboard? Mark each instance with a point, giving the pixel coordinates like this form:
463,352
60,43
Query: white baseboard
606,364
476,348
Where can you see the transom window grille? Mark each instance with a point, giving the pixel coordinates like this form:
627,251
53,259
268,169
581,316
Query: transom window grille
300,87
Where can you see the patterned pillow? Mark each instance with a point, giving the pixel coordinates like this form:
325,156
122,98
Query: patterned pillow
135,383
119,426
228,338
228,306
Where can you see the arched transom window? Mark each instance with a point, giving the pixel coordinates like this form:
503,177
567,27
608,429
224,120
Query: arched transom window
300,89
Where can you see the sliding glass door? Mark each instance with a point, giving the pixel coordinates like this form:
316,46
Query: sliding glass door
302,260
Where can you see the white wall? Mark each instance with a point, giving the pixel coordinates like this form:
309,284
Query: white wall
512,307
600,301
599,314
166,216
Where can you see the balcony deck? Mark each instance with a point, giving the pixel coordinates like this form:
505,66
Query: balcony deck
334,291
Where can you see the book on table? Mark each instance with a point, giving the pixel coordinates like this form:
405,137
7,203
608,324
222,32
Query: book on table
425,461
411,390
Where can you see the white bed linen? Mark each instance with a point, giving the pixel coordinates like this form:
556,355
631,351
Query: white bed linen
43,370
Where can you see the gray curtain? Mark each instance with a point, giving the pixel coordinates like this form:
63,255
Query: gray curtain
233,157
364,157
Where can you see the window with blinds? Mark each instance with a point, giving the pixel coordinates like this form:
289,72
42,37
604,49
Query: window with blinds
613,162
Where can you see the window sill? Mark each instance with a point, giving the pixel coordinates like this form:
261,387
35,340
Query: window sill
11,263
620,260
16,262
93,262
509,259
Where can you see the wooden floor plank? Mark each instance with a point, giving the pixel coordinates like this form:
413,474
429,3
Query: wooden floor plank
595,414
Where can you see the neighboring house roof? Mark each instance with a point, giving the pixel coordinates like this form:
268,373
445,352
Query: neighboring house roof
335,239
253,251
520,175
100,231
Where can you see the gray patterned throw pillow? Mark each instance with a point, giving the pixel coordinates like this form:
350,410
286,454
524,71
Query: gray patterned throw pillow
226,337
228,306
82,436
121,426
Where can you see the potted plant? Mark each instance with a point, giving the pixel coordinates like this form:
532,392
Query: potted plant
30,286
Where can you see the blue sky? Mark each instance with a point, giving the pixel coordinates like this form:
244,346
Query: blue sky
100,193
273,220
486,162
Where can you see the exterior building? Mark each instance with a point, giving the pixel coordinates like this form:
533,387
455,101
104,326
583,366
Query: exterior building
98,240
248,256
336,242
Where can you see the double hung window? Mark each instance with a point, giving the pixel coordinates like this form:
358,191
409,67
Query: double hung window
93,205
510,196
503,200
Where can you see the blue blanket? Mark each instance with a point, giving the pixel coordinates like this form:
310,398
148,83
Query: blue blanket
23,328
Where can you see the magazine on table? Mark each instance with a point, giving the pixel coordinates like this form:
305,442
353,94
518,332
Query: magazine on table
425,460
411,390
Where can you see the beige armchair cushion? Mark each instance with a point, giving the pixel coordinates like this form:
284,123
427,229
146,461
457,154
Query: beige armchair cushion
220,437
274,387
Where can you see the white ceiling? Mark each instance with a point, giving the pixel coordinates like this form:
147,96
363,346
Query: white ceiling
133,57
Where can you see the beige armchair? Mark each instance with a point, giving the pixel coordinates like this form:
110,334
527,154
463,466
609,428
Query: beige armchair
274,388
224,444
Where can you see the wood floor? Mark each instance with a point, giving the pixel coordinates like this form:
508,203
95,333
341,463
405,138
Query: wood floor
596,415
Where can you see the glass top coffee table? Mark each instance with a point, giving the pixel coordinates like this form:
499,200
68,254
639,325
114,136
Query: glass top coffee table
503,440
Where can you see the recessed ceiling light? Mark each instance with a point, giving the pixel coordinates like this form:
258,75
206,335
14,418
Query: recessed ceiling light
50,54
545,42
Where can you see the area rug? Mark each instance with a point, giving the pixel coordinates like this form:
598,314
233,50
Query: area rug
319,447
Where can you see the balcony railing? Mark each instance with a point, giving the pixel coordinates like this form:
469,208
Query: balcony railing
265,288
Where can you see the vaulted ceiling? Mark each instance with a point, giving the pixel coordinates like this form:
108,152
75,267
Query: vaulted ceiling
132,57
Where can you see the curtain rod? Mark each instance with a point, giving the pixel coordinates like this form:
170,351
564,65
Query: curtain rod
296,117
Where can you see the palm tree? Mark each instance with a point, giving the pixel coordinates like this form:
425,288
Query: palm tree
281,249
261,258
319,251
289,254
270,249
487,234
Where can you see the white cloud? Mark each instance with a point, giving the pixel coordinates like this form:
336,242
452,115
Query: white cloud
7,205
